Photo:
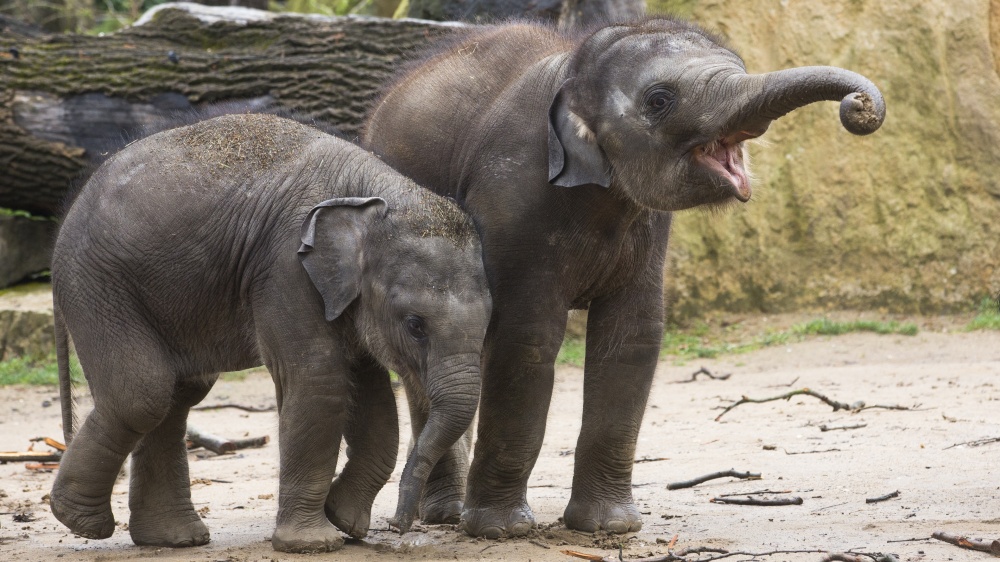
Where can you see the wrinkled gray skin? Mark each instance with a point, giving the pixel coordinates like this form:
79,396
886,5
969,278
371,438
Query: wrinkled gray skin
251,239
570,153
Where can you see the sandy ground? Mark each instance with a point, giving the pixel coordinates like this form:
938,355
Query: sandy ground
954,378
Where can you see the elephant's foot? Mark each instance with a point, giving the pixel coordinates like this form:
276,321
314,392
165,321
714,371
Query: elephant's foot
442,502
88,521
174,530
494,523
307,538
591,516
351,515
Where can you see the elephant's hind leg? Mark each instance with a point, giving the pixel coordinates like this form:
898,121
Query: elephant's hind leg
132,395
372,435
160,489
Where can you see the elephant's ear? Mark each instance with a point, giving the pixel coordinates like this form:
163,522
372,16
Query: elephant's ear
575,158
332,248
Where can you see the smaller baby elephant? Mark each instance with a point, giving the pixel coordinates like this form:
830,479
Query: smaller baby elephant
248,240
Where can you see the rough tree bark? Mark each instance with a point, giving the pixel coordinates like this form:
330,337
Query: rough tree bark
567,14
66,101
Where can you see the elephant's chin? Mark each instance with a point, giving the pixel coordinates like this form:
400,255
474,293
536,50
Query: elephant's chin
724,160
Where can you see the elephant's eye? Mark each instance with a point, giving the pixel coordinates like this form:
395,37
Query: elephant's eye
659,101
415,327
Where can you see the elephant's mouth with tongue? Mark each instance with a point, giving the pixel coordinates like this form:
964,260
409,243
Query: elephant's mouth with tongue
725,157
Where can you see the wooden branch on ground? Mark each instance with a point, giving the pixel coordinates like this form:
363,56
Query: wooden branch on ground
29,456
650,459
236,406
794,500
993,547
724,474
221,445
976,443
888,496
252,442
706,372
825,428
214,443
681,555
836,405
757,493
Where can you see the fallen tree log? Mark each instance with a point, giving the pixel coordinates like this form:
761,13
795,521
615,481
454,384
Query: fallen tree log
67,101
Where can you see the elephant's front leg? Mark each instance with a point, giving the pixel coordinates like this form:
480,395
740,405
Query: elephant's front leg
624,331
311,416
518,369
372,436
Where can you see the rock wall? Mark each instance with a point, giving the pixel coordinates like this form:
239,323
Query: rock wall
905,220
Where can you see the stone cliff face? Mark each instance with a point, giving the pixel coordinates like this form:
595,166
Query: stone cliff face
905,220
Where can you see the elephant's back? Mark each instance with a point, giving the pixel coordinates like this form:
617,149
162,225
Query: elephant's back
425,120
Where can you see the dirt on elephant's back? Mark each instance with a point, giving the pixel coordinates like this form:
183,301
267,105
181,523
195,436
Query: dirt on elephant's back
950,378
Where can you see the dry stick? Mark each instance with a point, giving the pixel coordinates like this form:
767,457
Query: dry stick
724,474
237,406
976,443
757,493
252,442
794,500
847,557
811,452
855,407
647,459
825,427
29,457
888,496
965,542
680,555
704,371
214,443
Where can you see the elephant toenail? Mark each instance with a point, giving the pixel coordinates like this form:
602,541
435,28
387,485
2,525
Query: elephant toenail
616,526
520,528
492,532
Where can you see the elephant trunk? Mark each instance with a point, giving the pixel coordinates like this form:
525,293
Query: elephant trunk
453,392
776,94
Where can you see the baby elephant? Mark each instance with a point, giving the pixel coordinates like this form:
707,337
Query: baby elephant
248,240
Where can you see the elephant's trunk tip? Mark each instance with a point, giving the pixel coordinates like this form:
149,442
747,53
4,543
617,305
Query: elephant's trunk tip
861,114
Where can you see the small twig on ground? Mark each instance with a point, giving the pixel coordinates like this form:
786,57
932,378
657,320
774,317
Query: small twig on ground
681,555
30,456
50,442
540,544
836,405
993,547
810,452
794,500
237,406
648,459
825,427
252,442
976,443
915,539
757,493
706,372
214,443
42,466
786,385
724,474
855,557
888,496
672,543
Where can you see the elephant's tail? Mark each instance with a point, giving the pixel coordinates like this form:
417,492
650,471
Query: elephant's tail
65,381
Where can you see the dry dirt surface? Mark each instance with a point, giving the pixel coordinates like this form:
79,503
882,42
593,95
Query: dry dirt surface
953,380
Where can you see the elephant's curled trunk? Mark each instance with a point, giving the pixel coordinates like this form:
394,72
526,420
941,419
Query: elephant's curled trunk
454,397
775,94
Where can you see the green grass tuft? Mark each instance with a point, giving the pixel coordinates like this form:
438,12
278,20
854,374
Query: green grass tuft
988,317
22,370
827,327
571,352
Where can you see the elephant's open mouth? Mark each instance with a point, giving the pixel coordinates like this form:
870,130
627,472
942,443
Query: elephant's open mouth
725,158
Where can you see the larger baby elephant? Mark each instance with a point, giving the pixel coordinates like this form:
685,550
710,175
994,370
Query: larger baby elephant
570,152
251,239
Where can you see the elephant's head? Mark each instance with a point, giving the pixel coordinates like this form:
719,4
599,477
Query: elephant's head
411,278
659,111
